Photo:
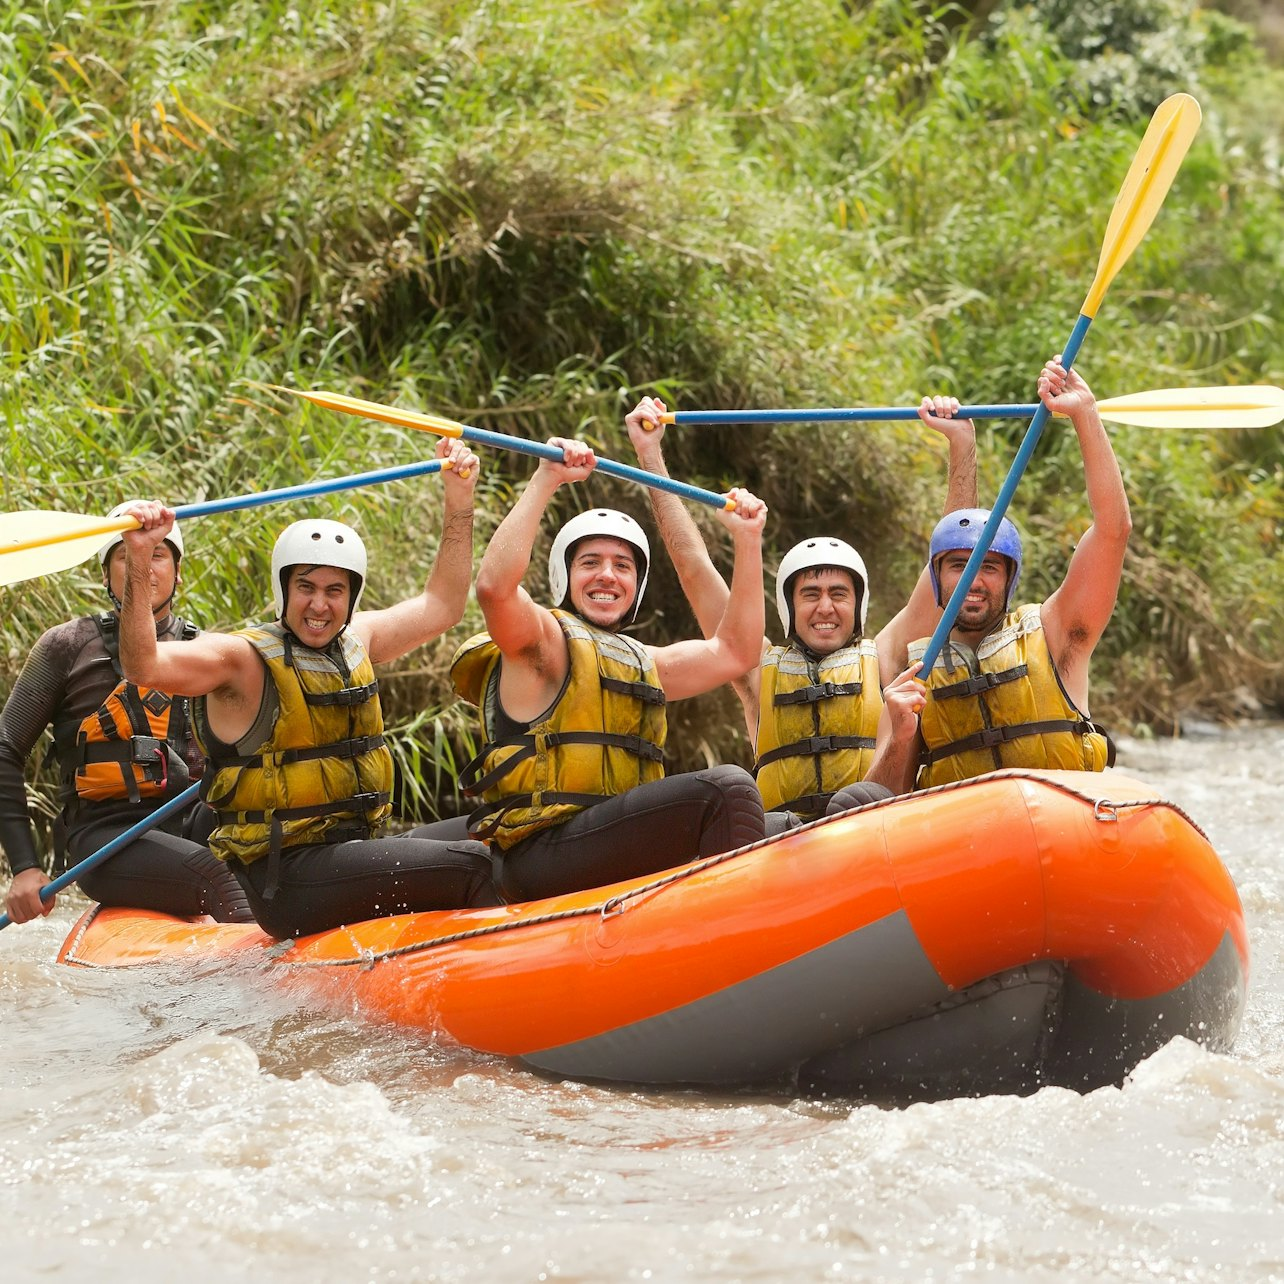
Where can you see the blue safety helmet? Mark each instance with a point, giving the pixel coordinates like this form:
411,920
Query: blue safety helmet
962,529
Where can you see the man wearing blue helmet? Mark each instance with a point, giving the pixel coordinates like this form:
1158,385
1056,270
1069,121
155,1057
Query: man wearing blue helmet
1010,687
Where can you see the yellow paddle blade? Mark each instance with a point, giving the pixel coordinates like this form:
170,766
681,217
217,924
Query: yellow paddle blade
1167,139
373,410
43,542
1249,406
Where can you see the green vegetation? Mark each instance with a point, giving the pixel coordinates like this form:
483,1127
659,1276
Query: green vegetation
525,215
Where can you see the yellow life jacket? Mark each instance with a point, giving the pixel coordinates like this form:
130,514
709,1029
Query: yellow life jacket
817,724
603,735
137,744
323,774
1003,705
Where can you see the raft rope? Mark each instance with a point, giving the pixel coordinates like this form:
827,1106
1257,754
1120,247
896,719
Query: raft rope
1104,810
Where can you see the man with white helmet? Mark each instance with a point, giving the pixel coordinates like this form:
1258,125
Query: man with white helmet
811,705
1010,686
123,751
573,710
290,719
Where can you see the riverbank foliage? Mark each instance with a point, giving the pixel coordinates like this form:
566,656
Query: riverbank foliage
527,215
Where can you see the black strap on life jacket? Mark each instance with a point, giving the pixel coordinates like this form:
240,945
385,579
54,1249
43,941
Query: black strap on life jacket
345,697
643,691
817,692
528,745
992,737
486,819
812,745
343,749
979,683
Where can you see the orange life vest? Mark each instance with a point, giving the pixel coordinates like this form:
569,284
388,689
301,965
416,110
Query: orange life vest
137,744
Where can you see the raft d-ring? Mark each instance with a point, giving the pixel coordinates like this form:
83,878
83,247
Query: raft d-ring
614,907
1104,810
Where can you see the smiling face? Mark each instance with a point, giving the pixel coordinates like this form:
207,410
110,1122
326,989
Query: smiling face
317,599
986,602
824,603
602,580
165,578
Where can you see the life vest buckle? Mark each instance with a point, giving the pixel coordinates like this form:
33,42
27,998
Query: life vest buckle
147,754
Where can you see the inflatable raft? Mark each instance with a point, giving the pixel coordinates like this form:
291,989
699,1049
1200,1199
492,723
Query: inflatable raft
995,935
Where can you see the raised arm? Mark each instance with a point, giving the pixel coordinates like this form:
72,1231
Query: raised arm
702,585
1076,614
536,660
395,630
211,662
692,668
919,616
704,588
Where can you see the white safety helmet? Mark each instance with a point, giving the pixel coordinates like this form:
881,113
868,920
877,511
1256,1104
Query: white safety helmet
316,541
174,539
598,522
808,555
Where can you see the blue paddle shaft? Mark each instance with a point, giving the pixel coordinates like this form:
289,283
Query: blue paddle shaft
846,414
1006,491
542,450
162,813
308,489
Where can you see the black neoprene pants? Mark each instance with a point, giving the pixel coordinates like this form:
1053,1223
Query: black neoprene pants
158,871
655,826
323,887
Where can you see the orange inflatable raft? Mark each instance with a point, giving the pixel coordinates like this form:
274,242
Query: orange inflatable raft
1010,931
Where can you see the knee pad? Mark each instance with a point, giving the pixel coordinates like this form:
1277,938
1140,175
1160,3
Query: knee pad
742,805
860,794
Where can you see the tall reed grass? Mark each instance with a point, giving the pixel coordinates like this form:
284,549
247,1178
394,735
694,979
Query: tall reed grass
527,215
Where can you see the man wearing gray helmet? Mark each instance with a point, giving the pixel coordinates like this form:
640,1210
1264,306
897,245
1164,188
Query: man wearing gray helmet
1010,686
290,719
123,751
573,710
812,704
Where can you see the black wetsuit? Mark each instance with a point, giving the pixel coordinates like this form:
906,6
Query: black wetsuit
67,676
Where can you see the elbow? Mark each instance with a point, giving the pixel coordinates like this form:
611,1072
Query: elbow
490,592
1121,527
141,673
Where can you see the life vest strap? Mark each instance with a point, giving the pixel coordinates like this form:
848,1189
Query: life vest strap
348,696
344,749
991,737
643,691
355,803
813,745
486,819
819,691
980,683
528,745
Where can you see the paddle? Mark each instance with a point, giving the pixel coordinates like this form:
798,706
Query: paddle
42,542
1166,141
1251,406
481,436
161,814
